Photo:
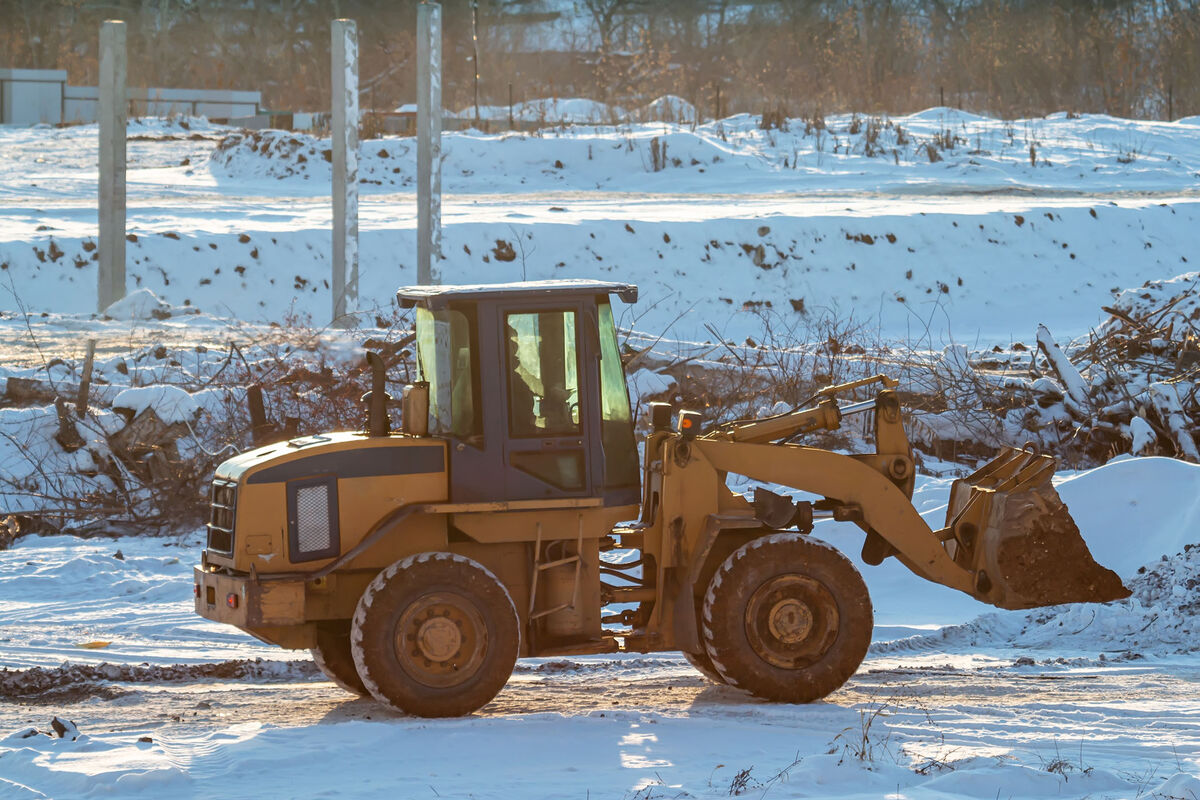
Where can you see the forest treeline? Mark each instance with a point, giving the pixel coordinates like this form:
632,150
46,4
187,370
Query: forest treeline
1013,58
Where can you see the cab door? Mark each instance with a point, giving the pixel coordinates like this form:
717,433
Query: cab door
547,409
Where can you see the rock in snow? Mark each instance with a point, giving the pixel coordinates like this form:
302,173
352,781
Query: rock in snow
170,403
65,729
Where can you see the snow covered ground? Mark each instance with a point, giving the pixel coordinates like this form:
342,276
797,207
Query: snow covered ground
1014,221
929,228
1071,702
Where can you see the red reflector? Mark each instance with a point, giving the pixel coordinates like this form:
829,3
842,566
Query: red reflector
231,600
196,589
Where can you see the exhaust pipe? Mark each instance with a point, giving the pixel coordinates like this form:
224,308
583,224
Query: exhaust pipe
377,399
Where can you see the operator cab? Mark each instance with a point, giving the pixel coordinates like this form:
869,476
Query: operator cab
526,383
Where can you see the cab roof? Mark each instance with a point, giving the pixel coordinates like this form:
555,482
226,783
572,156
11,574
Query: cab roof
441,296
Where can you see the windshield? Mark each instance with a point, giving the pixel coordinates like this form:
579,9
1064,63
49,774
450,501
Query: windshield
444,358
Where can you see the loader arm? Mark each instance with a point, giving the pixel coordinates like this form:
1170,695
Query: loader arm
884,506
824,416
1008,539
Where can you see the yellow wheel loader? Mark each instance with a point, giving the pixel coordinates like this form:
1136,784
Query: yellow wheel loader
419,565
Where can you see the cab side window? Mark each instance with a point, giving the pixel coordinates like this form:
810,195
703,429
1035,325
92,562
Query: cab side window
543,374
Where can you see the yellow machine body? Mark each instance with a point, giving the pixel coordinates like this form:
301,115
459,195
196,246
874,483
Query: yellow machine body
303,532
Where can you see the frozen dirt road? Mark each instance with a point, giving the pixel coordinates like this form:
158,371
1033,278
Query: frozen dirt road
652,725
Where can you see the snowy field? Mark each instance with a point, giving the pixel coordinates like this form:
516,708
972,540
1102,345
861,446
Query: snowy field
1096,701
1015,220
927,229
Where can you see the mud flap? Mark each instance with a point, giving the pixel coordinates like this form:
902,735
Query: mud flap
1013,531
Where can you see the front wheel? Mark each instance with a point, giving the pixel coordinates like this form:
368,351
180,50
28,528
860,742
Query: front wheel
787,618
333,657
435,635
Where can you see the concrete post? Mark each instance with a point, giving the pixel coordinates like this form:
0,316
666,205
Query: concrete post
110,278
429,142
344,91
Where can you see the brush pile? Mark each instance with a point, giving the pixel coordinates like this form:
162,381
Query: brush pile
1129,387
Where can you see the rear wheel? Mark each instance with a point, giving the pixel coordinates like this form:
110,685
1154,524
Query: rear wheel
333,657
787,618
435,635
703,664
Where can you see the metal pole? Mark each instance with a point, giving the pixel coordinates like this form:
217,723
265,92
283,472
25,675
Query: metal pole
475,53
429,141
110,277
344,90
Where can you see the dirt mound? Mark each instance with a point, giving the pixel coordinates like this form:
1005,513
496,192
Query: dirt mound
76,681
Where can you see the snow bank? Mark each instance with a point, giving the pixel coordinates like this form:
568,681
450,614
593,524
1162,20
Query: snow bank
1141,518
850,152
1134,511
861,222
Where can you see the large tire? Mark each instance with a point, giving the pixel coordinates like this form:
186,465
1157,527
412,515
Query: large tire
703,664
333,657
787,618
435,635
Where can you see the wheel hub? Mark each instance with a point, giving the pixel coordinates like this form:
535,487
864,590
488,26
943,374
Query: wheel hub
791,621
441,639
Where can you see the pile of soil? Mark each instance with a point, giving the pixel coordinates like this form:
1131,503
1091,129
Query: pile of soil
79,680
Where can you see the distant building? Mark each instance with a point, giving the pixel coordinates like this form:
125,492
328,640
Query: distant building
33,96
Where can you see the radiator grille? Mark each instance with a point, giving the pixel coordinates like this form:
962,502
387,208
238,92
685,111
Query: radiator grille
313,530
220,523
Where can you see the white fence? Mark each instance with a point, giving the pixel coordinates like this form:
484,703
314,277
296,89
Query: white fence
31,96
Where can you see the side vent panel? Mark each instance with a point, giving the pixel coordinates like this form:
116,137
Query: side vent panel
313,519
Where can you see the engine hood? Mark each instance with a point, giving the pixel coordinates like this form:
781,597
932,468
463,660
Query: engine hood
344,454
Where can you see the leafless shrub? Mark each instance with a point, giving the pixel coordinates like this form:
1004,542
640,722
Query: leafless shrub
813,122
871,144
741,782
865,742
1064,767
163,483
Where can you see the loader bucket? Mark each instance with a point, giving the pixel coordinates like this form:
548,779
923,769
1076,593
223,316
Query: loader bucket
1014,532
